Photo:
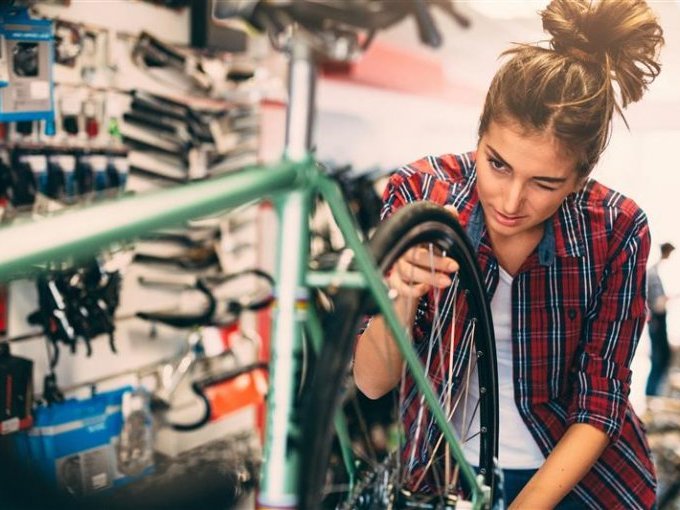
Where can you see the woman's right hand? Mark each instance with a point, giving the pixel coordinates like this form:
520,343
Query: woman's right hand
420,269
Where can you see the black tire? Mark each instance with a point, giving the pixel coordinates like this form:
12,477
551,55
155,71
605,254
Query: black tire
414,224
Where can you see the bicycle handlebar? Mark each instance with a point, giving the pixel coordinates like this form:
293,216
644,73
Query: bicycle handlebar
207,316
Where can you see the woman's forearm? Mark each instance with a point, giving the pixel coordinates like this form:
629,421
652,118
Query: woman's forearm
567,464
377,360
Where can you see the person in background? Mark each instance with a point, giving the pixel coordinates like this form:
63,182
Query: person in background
658,333
563,257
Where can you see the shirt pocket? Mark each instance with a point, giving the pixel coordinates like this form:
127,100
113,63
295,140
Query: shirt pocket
552,347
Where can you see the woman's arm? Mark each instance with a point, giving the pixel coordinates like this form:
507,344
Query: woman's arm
597,409
377,360
567,464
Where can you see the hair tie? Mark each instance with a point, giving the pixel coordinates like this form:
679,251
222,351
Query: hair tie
582,55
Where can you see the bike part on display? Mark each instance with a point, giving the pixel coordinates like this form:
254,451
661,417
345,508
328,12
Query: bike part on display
151,52
334,24
217,312
85,446
4,66
68,42
51,393
77,304
194,259
249,388
187,320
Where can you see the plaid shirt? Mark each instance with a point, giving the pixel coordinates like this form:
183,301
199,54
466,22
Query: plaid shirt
578,311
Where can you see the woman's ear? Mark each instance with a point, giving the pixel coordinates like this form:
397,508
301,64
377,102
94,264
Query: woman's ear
580,183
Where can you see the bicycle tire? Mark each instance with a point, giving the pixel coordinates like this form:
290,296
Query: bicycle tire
412,225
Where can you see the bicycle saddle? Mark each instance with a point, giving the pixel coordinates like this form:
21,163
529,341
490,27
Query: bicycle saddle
331,15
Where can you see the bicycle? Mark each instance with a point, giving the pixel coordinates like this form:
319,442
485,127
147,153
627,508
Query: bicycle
301,417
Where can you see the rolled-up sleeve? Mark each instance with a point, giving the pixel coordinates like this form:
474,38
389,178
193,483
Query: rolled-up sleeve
403,187
601,369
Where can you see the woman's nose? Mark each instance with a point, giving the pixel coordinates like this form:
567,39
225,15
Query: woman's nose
514,195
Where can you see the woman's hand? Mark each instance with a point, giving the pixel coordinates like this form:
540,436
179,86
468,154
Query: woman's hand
421,268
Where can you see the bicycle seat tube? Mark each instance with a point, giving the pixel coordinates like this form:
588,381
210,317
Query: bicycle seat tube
279,484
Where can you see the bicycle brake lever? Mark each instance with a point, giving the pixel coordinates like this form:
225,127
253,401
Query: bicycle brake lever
449,9
112,343
88,346
427,30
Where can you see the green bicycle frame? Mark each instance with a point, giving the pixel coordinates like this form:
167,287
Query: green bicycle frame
292,184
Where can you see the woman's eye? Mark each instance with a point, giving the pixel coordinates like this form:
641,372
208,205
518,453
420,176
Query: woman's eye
545,187
496,164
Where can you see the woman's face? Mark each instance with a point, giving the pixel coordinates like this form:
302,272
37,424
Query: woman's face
522,180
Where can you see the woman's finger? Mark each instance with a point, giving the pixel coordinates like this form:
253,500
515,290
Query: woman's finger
413,274
429,259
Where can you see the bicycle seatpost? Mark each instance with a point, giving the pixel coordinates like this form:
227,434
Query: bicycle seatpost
302,74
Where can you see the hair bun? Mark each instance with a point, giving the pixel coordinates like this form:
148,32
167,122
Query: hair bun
568,24
621,35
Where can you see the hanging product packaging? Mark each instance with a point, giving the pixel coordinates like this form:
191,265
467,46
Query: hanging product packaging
26,59
16,397
85,446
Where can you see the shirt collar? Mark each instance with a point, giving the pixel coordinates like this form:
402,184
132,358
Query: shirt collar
562,234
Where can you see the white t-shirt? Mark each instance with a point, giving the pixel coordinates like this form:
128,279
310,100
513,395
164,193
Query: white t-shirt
517,448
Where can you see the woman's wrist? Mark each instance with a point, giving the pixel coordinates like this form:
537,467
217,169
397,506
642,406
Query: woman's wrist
406,307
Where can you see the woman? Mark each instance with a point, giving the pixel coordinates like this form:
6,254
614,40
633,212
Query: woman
564,259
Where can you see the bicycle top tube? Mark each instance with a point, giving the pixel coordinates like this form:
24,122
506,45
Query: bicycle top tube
76,233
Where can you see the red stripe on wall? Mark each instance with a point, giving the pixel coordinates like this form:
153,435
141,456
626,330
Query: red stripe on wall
389,67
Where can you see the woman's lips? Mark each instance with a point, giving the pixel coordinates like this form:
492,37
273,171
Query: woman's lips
508,221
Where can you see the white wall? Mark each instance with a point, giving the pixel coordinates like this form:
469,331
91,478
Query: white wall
129,16
370,127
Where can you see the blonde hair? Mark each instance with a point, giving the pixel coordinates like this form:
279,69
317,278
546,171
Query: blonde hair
569,88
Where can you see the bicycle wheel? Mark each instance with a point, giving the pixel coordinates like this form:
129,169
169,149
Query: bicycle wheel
403,461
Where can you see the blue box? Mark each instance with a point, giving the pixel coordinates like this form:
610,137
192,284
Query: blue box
89,445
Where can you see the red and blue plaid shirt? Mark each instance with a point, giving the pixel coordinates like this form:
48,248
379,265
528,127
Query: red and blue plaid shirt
578,311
